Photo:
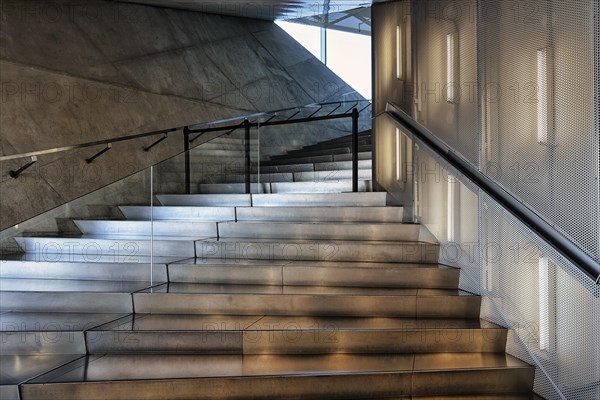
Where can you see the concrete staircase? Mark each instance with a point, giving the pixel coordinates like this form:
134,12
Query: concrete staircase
284,295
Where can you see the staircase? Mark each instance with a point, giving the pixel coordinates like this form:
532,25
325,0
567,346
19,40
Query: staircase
300,292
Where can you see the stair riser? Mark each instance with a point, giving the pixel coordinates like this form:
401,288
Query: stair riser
341,149
67,341
425,278
331,231
355,386
339,186
83,271
374,385
66,302
240,178
320,176
318,159
473,381
320,251
146,228
433,278
364,199
180,213
315,305
338,144
200,200
297,341
321,214
123,250
330,176
307,167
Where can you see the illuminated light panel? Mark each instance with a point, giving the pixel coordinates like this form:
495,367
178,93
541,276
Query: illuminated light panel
542,95
398,155
399,48
450,68
543,304
451,216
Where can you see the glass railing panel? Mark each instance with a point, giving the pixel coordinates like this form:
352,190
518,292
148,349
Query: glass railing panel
94,228
551,307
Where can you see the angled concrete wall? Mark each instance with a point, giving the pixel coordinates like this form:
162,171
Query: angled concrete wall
74,72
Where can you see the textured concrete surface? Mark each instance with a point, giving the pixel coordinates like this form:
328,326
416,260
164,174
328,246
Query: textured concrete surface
73,72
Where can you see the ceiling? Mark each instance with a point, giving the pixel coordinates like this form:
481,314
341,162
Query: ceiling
261,9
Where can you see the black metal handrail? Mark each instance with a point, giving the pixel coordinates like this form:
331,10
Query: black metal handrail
537,224
197,126
353,113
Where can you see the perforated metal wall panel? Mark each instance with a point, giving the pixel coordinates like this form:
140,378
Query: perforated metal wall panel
539,71
525,110
552,308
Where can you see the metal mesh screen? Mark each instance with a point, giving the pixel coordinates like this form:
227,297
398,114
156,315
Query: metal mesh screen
539,109
552,308
513,86
445,35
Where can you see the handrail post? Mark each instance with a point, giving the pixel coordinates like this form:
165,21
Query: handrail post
247,154
354,150
186,149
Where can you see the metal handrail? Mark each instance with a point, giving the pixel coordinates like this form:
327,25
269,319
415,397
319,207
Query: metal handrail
193,127
537,224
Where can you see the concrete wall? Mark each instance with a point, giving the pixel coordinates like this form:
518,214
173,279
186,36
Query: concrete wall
73,72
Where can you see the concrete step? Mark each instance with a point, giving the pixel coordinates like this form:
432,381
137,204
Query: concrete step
313,273
362,231
188,298
282,376
249,335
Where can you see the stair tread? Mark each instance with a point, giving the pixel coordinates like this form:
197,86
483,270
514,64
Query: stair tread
307,241
201,288
66,285
52,321
114,237
35,258
311,264
17,369
151,367
177,322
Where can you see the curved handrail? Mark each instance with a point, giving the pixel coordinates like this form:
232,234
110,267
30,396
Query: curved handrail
543,229
197,126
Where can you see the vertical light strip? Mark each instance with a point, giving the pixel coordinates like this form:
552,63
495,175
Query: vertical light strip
399,69
398,155
451,197
542,95
450,68
543,304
